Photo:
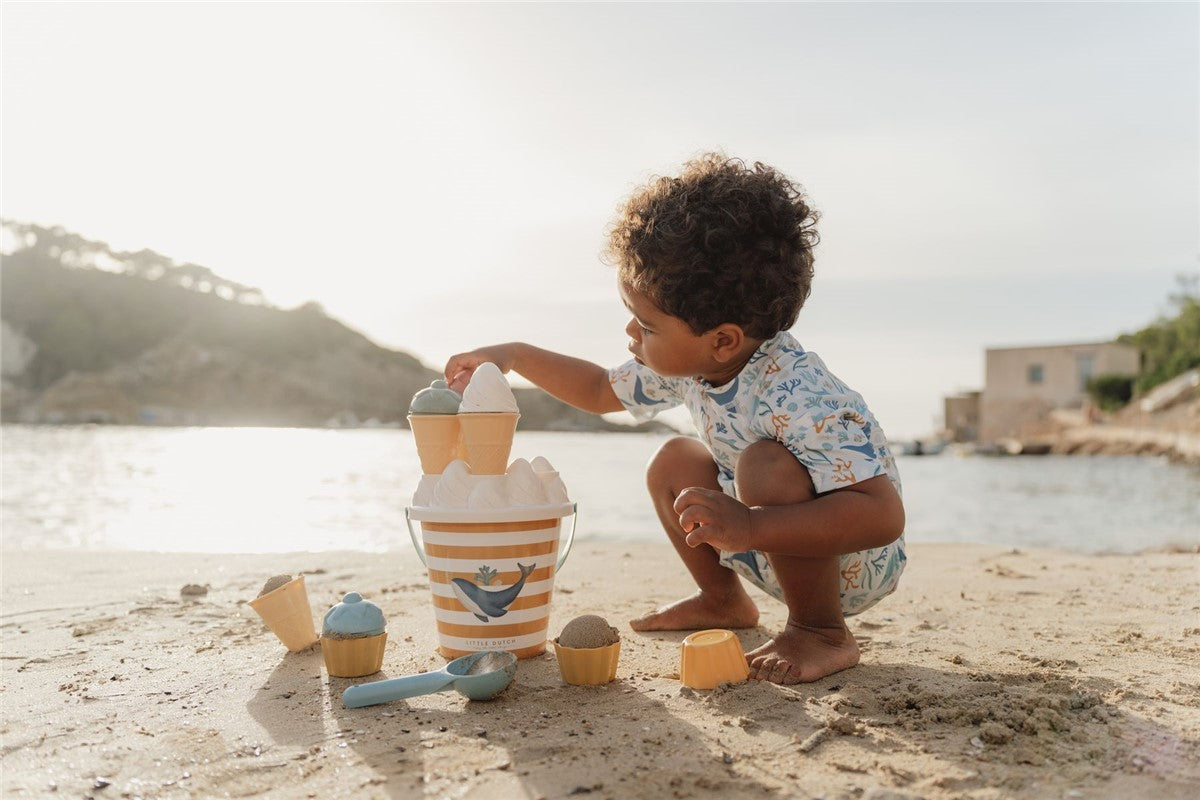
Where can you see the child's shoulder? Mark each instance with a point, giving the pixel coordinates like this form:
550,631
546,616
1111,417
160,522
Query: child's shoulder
783,358
783,367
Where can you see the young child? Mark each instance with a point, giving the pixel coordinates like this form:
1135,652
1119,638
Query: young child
791,484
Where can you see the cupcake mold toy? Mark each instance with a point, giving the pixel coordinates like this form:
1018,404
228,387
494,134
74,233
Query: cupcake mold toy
588,650
353,637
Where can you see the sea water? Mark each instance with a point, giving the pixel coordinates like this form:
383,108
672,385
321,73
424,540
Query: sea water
287,489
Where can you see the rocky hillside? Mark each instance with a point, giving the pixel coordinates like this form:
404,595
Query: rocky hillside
93,335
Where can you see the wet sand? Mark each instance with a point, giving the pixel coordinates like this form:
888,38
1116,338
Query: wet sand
990,674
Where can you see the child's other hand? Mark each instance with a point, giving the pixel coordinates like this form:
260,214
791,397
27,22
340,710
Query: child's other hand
713,518
461,367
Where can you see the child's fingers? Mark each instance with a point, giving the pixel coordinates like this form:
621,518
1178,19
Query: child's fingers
458,382
459,370
694,516
691,496
697,537
454,365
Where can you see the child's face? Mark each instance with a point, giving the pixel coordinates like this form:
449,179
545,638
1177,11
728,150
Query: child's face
662,342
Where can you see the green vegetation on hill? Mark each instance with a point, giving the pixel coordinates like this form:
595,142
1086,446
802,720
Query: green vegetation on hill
1170,346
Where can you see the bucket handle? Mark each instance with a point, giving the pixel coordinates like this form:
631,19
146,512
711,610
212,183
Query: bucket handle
562,557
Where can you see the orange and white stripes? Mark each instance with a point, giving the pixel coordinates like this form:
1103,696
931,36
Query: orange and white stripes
500,552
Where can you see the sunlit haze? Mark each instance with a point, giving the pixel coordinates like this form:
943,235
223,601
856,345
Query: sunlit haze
441,176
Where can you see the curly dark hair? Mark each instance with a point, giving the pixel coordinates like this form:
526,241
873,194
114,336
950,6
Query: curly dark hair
722,242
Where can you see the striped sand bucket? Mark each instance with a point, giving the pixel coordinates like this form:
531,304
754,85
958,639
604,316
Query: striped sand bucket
491,573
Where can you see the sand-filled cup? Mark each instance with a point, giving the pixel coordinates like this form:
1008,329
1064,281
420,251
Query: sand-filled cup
288,614
491,573
709,658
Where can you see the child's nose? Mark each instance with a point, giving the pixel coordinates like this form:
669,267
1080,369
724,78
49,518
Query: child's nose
631,328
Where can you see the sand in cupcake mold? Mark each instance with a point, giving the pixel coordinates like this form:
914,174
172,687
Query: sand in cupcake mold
328,634
588,631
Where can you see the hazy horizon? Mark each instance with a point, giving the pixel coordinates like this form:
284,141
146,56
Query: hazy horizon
988,174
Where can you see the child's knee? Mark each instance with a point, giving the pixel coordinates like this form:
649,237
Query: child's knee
769,475
677,460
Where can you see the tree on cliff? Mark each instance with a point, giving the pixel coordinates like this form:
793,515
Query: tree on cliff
1170,346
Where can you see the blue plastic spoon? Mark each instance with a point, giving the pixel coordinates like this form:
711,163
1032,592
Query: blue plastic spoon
479,676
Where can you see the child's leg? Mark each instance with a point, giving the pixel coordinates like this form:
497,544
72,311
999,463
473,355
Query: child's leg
815,642
722,602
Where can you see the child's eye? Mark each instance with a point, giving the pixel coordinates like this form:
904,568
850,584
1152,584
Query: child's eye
644,329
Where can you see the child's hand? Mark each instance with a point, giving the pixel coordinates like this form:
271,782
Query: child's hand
461,367
714,518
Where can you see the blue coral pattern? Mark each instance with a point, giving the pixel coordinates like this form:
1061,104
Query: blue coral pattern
785,394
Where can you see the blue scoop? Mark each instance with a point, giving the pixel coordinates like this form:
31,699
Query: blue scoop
479,676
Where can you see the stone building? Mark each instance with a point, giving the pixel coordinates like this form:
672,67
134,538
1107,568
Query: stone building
961,412
1024,386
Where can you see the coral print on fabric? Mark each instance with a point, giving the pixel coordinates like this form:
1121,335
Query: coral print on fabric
786,394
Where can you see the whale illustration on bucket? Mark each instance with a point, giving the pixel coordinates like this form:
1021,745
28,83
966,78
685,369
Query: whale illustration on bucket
491,573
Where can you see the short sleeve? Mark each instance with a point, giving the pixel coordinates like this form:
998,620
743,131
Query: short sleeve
643,392
832,435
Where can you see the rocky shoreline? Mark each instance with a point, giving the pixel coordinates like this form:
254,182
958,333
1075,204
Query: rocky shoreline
1179,446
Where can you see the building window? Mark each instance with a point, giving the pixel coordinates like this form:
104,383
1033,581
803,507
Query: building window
1035,373
1087,368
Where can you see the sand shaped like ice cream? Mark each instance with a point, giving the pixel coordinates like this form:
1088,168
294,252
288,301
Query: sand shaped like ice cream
587,632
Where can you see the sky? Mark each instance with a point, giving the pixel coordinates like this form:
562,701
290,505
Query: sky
442,177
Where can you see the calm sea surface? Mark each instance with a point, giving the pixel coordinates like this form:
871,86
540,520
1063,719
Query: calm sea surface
279,490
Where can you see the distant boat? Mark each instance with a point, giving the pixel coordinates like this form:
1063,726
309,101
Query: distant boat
1025,447
917,447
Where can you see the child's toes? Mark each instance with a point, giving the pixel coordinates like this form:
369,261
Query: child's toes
790,676
756,667
769,667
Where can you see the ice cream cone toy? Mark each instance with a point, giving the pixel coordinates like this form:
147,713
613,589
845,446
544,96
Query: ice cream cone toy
353,638
433,417
588,650
488,418
283,605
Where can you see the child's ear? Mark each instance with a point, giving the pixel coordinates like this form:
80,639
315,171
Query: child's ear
727,341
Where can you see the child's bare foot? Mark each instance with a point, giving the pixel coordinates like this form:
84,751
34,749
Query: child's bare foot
699,611
802,654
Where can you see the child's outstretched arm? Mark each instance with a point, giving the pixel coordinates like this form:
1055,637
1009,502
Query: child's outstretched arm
576,382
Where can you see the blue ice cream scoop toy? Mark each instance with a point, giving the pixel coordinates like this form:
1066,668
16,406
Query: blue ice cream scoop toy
353,617
438,398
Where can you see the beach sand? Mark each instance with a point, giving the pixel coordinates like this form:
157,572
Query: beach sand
991,673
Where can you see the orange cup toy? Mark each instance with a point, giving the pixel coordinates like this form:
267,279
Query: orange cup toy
710,658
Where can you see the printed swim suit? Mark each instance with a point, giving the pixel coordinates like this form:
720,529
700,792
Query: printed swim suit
785,394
